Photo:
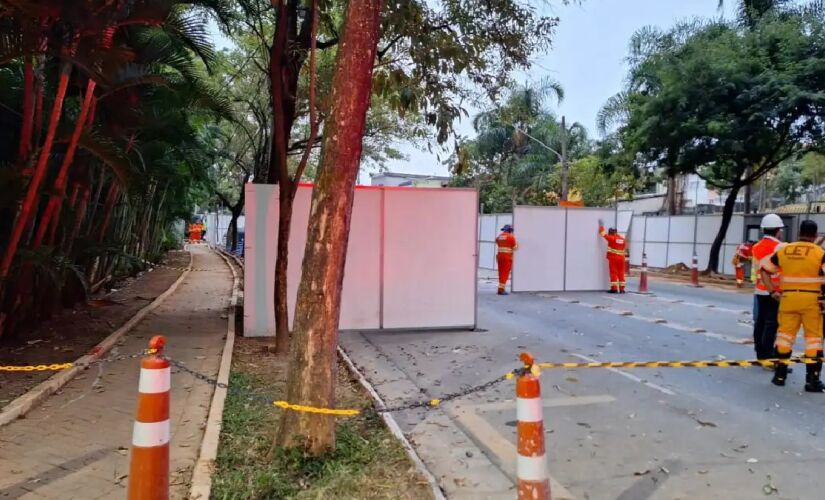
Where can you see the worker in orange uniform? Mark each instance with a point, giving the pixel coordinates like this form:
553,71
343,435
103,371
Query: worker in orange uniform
803,276
616,251
740,258
506,244
766,309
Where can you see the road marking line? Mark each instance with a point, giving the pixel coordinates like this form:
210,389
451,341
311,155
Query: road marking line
628,376
549,403
503,449
622,301
658,321
701,306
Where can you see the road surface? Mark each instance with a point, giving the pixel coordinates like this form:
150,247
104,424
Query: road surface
636,434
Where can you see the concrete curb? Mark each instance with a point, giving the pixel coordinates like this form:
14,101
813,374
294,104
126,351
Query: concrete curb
36,395
394,428
201,484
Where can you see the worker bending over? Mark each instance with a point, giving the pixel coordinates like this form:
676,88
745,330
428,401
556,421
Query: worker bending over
506,244
803,268
616,250
766,309
740,258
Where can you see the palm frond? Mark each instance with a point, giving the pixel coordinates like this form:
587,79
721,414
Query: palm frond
192,33
107,151
613,112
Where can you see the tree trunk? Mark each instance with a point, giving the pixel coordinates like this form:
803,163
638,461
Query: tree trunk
80,213
29,202
312,365
101,182
28,113
286,200
565,168
748,173
671,195
727,214
51,215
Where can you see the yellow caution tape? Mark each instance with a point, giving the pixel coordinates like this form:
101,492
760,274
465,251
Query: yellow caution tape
683,364
37,368
284,405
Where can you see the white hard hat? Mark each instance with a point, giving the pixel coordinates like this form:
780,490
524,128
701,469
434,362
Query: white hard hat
772,221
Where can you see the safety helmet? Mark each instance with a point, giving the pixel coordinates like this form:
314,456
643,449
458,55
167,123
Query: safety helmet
507,228
772,221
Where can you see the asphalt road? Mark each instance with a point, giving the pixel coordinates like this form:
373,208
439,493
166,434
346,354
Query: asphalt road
680,433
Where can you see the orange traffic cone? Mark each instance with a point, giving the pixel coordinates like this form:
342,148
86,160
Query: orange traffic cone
531,468
643,275
149,466
694,271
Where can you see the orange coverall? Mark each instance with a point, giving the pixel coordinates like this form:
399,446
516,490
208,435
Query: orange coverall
616,246
506,243
195,232
743,255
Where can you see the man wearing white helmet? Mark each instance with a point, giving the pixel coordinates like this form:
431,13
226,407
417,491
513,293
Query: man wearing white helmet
766,308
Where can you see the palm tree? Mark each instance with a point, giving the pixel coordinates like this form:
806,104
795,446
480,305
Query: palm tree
123,53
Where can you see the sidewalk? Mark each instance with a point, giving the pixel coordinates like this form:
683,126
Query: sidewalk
76,445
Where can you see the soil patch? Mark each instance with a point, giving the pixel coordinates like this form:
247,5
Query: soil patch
369,463
73,332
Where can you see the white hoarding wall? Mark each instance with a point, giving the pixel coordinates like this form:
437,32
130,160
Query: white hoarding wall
561,249
217,227
411,258
670,240
489,226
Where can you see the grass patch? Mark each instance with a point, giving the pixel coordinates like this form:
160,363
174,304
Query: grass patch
368,463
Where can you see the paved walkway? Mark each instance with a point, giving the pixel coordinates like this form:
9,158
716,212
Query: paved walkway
76,445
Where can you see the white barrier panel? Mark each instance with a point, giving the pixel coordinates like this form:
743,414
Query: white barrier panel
681,229
489,227
624,223
429,258
538,265
561,249
428,276
586,261
487,255
657,229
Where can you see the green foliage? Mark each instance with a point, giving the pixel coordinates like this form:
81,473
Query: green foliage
141,161
726,100
516,155
245,470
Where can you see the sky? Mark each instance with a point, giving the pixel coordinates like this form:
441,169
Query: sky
586,57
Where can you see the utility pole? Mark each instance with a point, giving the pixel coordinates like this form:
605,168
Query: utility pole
565,170
748,173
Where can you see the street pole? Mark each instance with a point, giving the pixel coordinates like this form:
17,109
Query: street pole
564,166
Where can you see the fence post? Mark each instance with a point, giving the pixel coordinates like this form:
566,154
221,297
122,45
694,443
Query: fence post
531,469
149,465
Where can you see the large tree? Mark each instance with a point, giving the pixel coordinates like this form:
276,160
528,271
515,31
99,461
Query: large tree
728,102
433,57
312,364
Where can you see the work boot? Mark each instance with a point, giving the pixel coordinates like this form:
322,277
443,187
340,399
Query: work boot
612,290
622,290
812,377
781,372
502,292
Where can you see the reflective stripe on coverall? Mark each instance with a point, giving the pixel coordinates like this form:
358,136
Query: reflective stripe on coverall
803,266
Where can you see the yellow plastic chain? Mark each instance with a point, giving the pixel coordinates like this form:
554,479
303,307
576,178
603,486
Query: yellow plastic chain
36,368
